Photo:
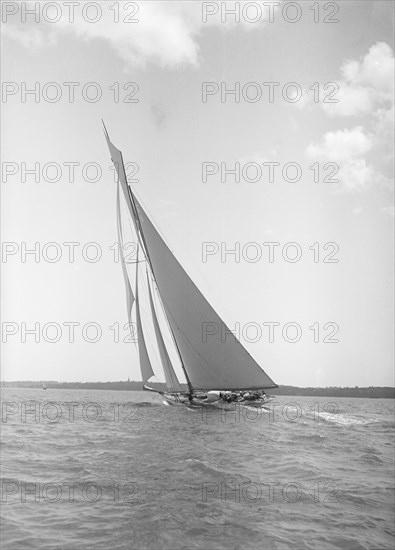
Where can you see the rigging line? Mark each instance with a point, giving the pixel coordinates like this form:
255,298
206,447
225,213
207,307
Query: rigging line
135,262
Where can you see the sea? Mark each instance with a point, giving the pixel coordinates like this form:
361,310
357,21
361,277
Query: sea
120,470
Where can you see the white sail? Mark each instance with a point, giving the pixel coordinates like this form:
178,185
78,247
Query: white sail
145,363
172,382
211,363
116,157
128,288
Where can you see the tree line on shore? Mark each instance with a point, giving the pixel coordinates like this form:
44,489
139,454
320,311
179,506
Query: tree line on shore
333,391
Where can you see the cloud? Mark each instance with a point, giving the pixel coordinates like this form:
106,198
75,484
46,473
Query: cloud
166,32
352,100
355,175
367,88
347,147
32,39
366,85
388,211
376,69
341,145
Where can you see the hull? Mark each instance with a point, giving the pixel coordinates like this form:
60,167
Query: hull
177,400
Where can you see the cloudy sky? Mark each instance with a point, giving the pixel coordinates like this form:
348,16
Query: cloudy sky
141,66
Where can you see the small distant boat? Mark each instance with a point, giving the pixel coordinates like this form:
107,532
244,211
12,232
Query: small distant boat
217,372
44,386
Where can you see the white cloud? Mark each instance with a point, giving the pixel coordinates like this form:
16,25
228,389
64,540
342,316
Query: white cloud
352,100
32,39
367,84
355,175
341,145
166,32
367,89
376,69
347,147
388,211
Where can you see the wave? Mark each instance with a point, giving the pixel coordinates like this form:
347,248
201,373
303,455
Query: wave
345,420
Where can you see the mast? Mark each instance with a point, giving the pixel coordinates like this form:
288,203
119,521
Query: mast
140,230
213,363
142,242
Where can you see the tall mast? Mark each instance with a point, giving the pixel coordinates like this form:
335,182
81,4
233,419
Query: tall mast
145,247
212,364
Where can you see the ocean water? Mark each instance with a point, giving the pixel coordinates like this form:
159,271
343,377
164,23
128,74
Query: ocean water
108,469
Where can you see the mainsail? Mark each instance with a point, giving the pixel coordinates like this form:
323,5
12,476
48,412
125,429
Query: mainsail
210,362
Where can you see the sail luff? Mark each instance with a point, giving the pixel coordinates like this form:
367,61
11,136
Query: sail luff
170,376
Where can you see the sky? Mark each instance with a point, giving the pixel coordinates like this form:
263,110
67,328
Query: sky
161,75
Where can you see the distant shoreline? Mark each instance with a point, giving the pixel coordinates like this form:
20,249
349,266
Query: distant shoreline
367,392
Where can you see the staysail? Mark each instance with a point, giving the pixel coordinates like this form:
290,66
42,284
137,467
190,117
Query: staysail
172,382
145,363
212,361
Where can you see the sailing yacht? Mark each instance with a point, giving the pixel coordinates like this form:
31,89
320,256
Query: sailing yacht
216,372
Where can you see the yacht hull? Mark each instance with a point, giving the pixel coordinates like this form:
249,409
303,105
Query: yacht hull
176,400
